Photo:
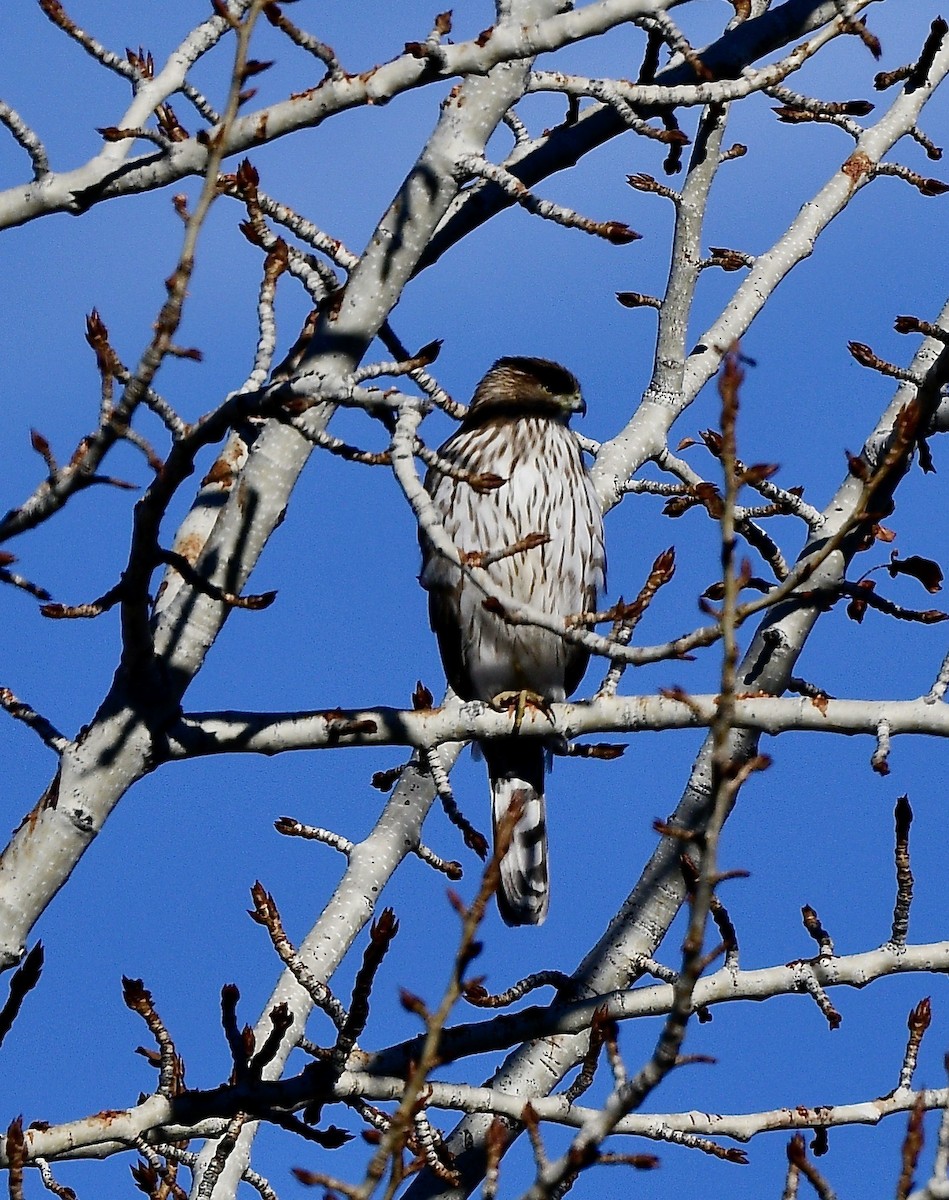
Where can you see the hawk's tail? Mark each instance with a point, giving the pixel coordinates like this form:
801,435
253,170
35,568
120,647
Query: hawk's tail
516,770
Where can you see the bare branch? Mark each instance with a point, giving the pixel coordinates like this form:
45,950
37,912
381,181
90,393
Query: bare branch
27,138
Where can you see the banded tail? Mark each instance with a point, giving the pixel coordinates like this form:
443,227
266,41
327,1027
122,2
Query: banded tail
516,770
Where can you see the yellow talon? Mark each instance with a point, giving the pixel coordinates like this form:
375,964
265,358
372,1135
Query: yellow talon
519,701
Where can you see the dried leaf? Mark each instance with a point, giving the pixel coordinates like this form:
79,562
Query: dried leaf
758,472
713,441
385,781
429,352
925,570
857,607
728,260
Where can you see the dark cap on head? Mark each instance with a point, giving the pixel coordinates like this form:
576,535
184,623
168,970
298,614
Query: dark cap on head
518,385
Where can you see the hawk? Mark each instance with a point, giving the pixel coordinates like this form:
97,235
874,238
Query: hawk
516,427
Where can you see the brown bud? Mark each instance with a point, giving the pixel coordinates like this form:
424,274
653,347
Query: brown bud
857,466
619,233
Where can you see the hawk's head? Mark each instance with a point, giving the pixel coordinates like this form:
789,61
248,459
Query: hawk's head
516,387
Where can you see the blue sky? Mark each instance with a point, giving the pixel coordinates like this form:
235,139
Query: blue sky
162,893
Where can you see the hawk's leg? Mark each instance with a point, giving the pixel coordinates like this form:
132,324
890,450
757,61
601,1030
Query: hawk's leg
519,702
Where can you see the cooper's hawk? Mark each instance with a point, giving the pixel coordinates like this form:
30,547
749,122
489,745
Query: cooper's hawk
517,427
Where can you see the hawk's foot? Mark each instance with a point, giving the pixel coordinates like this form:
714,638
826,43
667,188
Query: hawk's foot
519,702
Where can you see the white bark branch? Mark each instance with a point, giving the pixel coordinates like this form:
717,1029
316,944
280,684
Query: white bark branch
110,173
200,734
375,1076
